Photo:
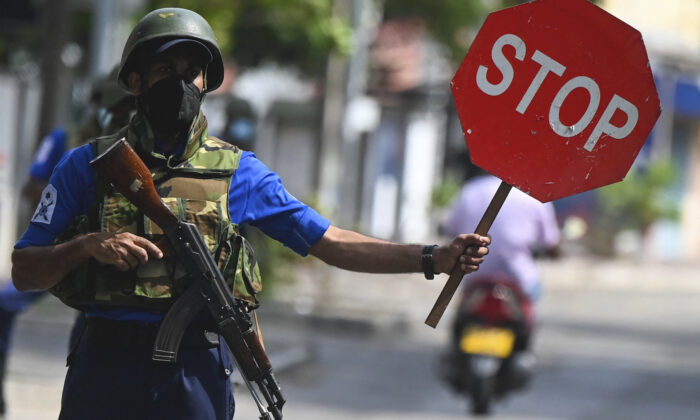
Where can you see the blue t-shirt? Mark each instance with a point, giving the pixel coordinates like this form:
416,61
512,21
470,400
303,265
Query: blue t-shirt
48,154
256,197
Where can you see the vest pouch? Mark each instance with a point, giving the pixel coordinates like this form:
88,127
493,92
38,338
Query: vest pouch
166,278
157,278
239,263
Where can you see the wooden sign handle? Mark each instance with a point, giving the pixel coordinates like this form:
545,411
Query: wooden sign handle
456,276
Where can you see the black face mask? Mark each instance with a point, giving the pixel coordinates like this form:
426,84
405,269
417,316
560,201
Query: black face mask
171,105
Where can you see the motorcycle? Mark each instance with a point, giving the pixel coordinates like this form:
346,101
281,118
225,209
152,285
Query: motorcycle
488,355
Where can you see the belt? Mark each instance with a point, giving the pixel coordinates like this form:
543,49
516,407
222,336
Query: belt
134,334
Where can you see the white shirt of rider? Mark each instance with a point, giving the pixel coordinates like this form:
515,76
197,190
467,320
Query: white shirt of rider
523,225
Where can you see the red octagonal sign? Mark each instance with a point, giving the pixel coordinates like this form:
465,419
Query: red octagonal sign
556,97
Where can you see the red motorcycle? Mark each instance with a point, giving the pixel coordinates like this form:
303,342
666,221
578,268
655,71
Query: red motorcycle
488,354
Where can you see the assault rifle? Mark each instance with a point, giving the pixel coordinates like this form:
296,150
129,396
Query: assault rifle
121,166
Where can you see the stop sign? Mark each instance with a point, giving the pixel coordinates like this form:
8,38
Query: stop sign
556,97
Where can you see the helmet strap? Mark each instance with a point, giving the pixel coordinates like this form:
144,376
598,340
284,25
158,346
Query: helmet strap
204,73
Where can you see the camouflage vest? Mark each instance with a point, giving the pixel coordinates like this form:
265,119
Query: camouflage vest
195,186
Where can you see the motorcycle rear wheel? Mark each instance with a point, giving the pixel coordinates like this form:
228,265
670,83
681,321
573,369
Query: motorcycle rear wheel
481,396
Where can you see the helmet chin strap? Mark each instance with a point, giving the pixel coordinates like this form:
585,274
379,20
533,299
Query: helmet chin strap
204,74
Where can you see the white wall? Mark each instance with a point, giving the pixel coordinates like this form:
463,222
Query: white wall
18,113
8,199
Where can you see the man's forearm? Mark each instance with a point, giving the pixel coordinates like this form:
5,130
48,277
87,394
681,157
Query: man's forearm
353,251
41,267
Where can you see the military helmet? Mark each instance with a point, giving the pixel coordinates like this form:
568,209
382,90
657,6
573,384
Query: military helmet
163,25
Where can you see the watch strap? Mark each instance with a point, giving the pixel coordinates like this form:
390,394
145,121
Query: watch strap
427,263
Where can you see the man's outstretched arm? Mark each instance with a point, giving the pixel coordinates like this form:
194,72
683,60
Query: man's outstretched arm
357,252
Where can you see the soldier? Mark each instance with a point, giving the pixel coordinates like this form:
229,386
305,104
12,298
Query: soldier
109,266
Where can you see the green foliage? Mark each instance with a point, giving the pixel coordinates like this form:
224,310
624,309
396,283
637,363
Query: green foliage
300,33
275,260
640,199
445,192
297,32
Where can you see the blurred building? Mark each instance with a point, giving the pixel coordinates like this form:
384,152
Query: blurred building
394,134
376,169
672,36
78,60
409,80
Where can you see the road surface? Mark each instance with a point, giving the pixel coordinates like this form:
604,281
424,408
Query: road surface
612,344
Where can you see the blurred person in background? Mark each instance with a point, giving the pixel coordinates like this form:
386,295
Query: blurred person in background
170,61
523,230
109,109
230,117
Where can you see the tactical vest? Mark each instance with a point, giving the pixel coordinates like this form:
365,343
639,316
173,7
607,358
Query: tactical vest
196,190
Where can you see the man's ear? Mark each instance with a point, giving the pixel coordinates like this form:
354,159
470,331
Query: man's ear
135,83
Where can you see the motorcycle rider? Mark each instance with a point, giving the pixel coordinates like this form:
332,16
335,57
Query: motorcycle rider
523,227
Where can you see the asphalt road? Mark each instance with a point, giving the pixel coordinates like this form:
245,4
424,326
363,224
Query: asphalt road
592,364
626,350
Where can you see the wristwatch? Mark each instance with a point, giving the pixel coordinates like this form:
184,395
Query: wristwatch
427,263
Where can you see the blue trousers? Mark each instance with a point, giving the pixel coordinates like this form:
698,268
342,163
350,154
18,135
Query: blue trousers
106,381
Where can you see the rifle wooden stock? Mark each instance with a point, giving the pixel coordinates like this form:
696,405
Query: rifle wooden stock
126,171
